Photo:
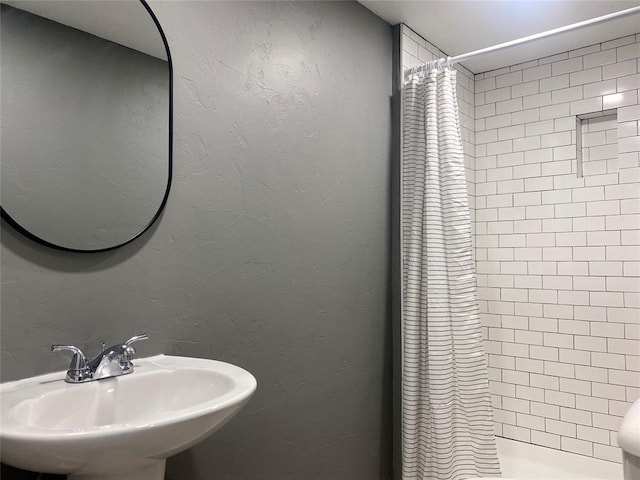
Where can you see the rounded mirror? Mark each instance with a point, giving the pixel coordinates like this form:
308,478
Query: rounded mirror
86,121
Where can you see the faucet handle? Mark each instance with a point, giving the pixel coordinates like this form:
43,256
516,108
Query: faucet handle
79,359
129,351
136,338
78,368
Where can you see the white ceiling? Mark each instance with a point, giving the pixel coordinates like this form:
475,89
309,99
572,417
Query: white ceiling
454,26
126,22
461,26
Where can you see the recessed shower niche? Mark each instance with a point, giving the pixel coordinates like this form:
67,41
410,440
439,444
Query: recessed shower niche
597,143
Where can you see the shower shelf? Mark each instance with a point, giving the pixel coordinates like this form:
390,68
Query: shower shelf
597,143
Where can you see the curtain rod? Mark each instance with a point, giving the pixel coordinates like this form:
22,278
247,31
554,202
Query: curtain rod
537,36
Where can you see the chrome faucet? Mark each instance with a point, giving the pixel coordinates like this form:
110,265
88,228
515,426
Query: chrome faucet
111,362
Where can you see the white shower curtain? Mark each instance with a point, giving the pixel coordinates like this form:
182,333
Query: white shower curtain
447,425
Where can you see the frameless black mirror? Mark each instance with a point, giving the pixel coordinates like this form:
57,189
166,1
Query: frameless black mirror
86,121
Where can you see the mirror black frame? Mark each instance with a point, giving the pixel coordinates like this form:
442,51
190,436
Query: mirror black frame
6,217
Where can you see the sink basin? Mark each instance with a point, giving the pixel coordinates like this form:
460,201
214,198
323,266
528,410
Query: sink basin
121,428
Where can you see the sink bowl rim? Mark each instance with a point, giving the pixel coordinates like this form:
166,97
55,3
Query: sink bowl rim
244,384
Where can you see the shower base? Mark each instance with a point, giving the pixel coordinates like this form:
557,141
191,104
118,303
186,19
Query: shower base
523,461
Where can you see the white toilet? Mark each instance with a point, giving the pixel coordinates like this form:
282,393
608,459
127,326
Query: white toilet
629,442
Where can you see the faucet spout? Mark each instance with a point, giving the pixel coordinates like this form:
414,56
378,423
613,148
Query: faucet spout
108,363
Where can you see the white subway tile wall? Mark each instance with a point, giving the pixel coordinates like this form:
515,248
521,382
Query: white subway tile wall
558,256
562,344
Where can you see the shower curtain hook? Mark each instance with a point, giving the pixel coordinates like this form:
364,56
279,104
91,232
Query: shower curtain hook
449,62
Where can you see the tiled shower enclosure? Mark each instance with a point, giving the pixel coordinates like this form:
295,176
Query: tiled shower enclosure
555,181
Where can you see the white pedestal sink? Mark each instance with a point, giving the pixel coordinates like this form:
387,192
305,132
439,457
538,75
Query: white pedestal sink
121,428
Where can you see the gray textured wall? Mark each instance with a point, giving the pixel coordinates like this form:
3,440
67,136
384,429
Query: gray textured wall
272,252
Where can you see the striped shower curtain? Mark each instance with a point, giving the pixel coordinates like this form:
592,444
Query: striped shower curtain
447,425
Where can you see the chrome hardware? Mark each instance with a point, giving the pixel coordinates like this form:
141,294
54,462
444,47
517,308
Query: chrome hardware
129,351
111,362
136,338
79,370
